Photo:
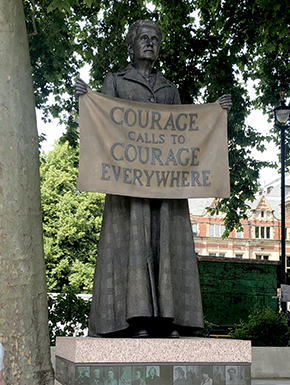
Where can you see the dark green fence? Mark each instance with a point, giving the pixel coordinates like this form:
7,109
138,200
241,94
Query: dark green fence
231,288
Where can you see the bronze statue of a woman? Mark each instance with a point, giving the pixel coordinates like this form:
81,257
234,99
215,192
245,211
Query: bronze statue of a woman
146,279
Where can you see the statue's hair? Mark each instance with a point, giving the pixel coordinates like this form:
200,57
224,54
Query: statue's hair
133,30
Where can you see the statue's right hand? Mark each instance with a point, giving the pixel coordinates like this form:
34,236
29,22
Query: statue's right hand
80,87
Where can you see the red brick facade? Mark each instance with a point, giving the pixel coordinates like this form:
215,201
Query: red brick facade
259,240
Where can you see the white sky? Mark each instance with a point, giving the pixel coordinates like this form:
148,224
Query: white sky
259,121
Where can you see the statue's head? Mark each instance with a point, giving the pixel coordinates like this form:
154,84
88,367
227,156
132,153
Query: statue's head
232,372
180,372
136,37
111,374
97,373
138,374
152,372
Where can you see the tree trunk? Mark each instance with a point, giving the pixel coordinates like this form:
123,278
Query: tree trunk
23,302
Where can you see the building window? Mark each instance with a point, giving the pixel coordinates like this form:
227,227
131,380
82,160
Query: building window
216,230
257,232
262,257
262,214
263,232
194,229
240,234
288,261
221,255
239,256
269,189
223,228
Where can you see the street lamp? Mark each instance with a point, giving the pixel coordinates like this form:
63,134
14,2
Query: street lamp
282,114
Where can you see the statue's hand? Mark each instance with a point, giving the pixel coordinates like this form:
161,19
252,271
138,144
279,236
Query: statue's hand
80,87
225,102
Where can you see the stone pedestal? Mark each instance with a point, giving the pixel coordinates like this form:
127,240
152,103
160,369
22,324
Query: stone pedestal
184,361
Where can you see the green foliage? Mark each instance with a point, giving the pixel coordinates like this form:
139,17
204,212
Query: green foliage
210,47
265,327
71,222
68,315
205,332
53,57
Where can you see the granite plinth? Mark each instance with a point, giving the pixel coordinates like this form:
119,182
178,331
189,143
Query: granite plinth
82,361
122,350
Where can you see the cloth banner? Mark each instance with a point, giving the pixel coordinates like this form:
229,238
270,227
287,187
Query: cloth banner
152,150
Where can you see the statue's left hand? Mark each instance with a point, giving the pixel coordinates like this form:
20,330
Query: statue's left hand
80,87
225,102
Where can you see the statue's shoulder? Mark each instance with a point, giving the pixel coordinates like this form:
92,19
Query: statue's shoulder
110,83
111,80
163,79
123,72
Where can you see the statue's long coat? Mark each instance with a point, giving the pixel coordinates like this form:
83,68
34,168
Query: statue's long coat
146,265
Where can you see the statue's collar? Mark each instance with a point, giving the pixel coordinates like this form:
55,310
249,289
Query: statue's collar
130,73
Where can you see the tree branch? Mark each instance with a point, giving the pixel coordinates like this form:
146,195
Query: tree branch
32,2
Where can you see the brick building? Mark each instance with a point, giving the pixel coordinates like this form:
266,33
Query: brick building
262,229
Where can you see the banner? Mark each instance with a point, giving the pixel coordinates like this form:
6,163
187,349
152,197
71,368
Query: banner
152,150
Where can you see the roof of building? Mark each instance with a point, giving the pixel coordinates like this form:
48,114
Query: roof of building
271,191
198,206
274,188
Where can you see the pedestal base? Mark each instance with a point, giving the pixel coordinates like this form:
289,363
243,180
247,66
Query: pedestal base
184,361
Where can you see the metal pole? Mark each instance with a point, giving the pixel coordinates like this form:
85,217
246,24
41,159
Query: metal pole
282,204
283,254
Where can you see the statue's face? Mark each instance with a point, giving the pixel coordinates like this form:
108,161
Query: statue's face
110,375
231,373
146,44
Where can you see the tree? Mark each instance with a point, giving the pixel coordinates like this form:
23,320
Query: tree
217,47
71,222
257,34
23,310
